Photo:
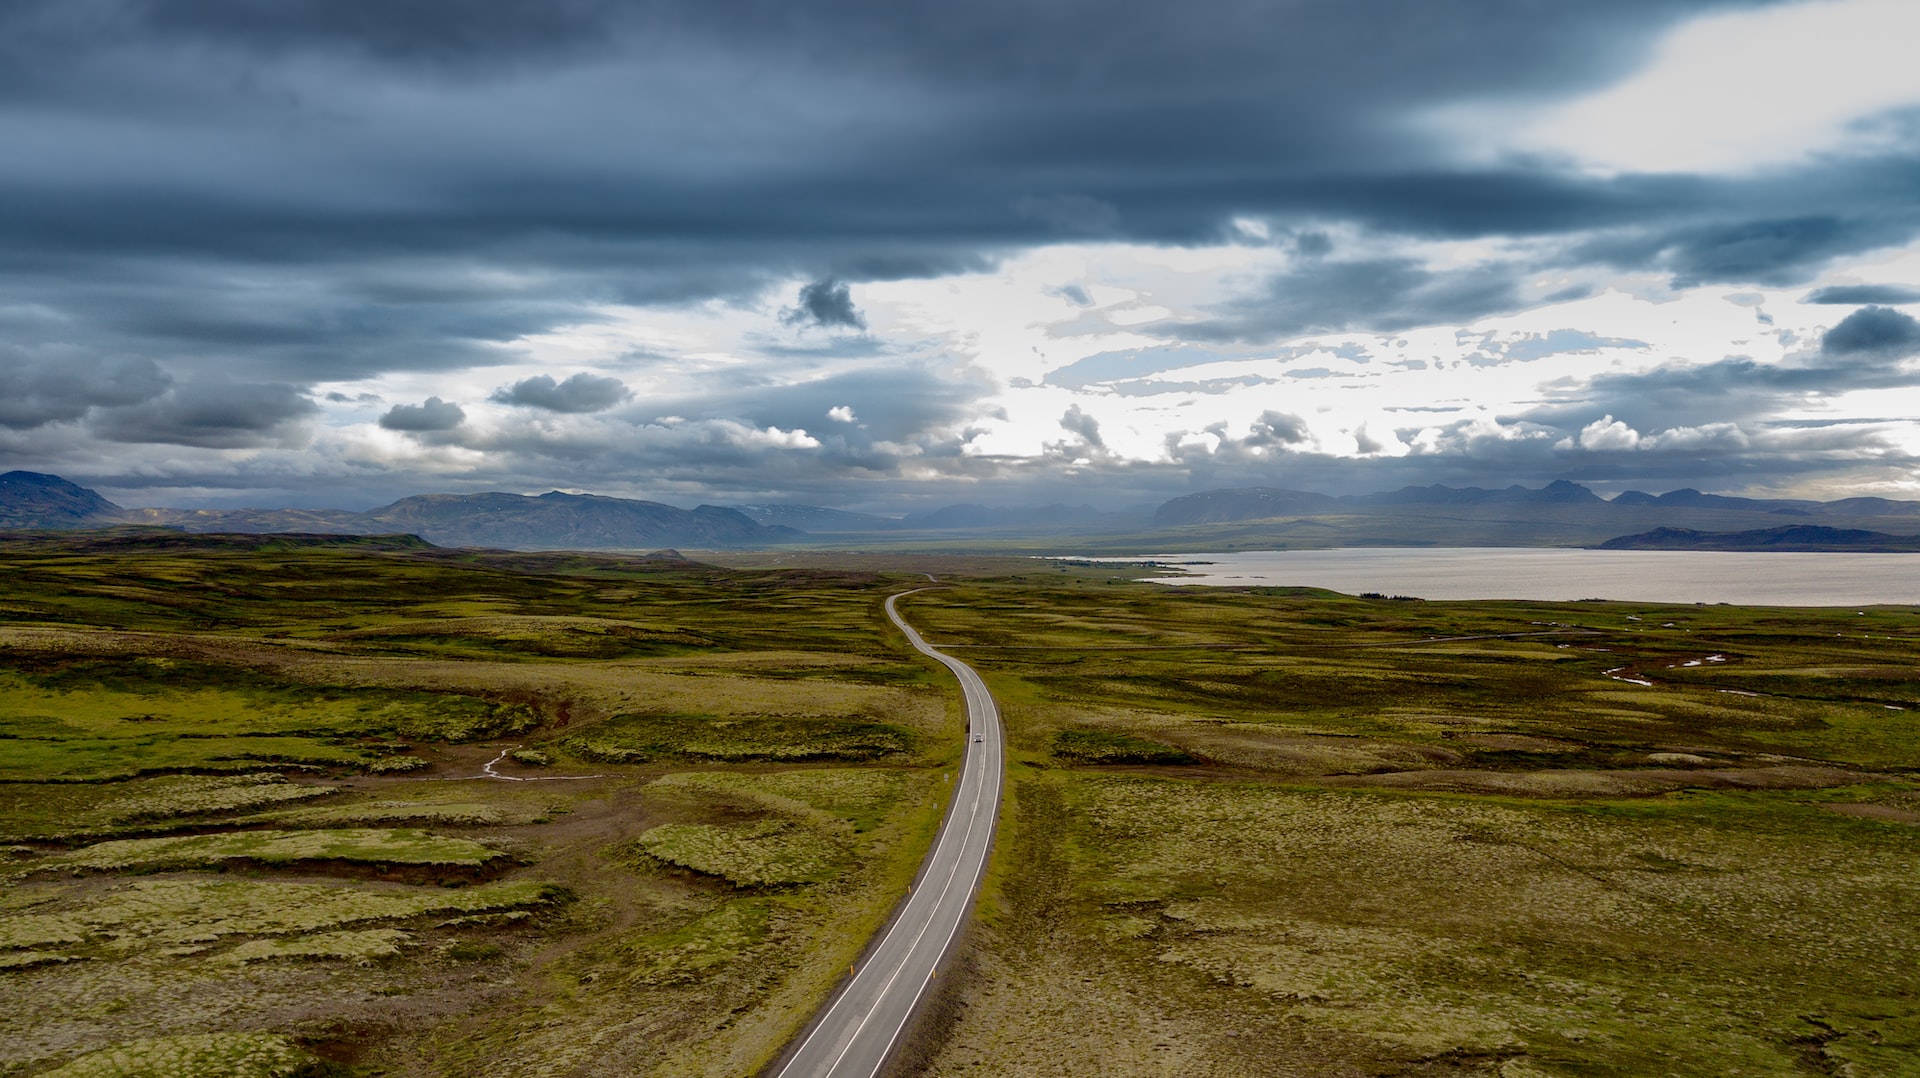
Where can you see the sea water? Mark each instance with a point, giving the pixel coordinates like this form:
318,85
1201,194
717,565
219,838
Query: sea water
1661,576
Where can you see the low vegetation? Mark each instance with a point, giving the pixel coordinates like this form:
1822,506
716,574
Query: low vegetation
358,845
639,739
71,812
211,1055
1114,747
265,811
1286,832
376,809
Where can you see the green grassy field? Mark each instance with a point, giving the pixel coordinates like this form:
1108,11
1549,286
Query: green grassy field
1288,832
247,825
274,809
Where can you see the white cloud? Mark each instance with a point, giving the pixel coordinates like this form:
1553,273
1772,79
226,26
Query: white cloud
1608,433
1710,436
770,437
1730,92
841,413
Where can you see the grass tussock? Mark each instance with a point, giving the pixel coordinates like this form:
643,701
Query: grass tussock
1109,747
148,915
385,812
770,853
64,812
204,1055
365,946
359,845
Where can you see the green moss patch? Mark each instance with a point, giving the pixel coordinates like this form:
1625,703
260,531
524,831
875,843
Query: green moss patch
91,719
860,797
57,811
372,846
712,941
1114,747
200,1055
28,959
102,759
364,813
367,945
158,913
768,853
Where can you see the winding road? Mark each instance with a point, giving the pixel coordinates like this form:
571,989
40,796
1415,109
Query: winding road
854,1035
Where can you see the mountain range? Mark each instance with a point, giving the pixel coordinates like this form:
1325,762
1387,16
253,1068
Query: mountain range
510,521
1800,537
1253,503
1562,513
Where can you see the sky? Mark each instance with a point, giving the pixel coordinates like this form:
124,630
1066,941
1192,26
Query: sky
887,256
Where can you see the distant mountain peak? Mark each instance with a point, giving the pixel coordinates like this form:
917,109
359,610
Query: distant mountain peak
37,500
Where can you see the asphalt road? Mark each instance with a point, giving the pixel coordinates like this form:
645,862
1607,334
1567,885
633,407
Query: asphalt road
860,1027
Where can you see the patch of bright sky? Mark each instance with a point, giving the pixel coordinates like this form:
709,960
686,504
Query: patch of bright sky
1013,324
1727,93
1017,324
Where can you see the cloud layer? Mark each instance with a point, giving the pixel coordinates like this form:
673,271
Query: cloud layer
880,255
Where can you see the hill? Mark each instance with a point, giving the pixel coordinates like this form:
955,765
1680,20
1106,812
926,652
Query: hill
1249,503
1803,537
570,521
1561,513
34,500
31,501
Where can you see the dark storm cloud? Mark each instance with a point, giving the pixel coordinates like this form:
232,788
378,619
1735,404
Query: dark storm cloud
267,189
826,303
579,394
212,415
35,391
328,320
394,30
1854,294
430,415
1080,423
1312,245
1775,252
1873,331
860,120
1277,428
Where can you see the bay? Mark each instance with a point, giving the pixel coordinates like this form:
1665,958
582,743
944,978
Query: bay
1553,574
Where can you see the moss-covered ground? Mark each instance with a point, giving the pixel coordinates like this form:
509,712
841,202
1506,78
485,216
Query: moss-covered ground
271,808
274,808
1289,832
